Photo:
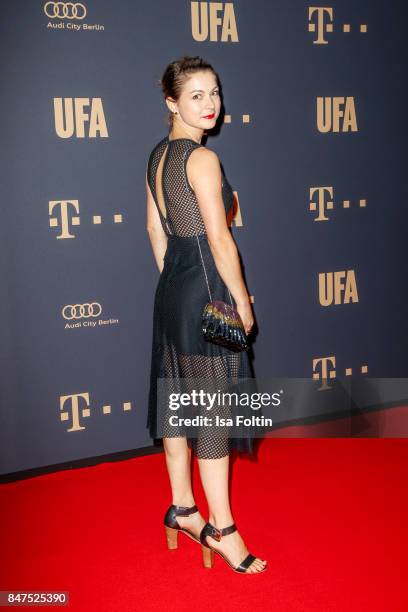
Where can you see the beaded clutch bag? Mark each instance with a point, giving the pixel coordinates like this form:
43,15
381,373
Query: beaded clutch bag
222,324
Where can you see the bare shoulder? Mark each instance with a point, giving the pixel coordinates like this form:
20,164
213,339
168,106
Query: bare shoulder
202,161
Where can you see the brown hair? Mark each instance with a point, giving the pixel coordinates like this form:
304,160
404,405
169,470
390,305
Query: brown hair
177,73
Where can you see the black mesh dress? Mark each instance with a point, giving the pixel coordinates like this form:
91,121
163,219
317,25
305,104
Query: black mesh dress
179,349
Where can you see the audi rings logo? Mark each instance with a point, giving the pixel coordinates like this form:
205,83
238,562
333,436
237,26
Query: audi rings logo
81,311
65,10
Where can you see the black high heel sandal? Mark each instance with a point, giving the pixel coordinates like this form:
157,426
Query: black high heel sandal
172,527
208,551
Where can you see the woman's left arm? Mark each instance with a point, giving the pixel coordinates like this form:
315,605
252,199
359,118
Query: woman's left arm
157,235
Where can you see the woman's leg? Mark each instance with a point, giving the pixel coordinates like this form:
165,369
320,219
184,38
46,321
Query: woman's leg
178,461
214,476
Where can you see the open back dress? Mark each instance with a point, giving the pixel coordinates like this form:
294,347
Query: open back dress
179,349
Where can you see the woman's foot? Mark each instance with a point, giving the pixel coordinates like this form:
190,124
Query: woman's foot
233,547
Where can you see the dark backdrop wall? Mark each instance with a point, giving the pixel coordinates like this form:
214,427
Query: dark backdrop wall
312,140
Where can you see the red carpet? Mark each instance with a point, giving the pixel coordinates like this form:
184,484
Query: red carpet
330,516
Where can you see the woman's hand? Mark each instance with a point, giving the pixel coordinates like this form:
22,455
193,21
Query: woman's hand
245,312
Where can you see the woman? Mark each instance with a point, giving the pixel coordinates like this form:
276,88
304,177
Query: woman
188,200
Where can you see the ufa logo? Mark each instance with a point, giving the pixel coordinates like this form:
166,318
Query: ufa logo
329,111
71,118
337,287
213,21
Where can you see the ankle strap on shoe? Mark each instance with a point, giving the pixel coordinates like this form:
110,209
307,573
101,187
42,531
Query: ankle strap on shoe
216,534
184,510
173,511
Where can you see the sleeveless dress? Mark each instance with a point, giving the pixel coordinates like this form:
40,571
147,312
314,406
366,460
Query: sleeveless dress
179,349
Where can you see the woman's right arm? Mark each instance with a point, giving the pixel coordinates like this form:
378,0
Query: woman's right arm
204,174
